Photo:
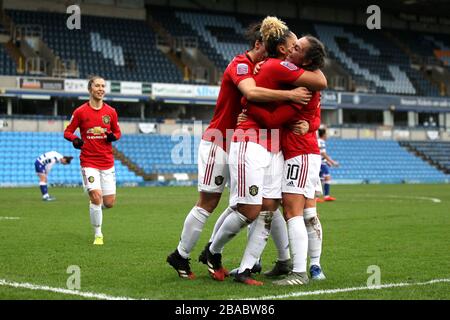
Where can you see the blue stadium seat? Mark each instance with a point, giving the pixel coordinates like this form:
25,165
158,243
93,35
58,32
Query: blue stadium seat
19,151
383,161
116,55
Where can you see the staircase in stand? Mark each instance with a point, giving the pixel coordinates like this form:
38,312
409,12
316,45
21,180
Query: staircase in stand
131,165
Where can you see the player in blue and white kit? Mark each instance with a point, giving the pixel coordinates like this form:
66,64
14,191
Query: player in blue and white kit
43,165
325,176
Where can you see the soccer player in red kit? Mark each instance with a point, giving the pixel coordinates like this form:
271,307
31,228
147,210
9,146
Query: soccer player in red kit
213,149
98,124
301,167
256,163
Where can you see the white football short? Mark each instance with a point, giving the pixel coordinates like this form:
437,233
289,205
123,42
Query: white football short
96,179
213,172
301,175
255,173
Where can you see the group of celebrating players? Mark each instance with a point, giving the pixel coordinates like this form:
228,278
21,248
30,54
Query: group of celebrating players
263,139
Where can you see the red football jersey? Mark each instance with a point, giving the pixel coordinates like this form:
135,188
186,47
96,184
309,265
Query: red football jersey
96,151
228,105
284,115
274,74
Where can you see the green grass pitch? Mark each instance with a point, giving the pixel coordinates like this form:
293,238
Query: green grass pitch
402,229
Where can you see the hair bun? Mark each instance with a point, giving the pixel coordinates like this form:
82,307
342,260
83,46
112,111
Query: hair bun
272,27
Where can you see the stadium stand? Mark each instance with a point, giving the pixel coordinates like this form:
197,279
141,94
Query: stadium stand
436,152
371,58
126,50
119,49
220,36
7,65
153,153
439,42
381,161
19,150
205,29
374,60
361,160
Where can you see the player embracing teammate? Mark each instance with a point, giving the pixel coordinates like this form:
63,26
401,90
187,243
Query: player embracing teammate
301,167
256,166
213,171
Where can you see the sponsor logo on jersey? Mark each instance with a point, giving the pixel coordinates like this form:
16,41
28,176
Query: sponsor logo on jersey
96,131
91,179
289,65
253,190
219,180
106,119
290,184
242,69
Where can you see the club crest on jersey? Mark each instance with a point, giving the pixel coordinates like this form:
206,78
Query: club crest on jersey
253,190
289,65
219,180
241,69
106,119
91,179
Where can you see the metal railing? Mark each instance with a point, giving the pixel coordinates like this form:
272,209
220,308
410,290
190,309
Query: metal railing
36,66
22,31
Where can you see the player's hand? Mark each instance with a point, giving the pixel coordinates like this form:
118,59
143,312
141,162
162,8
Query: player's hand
300,95
241,118
258,67
110,137
300,127
334,163
77,143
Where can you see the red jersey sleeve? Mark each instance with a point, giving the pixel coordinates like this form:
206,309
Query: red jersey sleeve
72,127
315,124
285,72
240,70
272,120
115,125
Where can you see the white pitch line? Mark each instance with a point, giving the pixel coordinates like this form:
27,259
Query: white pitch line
9,218
102,296
334,291
435,200
31,286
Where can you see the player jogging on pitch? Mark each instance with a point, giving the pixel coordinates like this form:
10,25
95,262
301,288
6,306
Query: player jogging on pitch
98,124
